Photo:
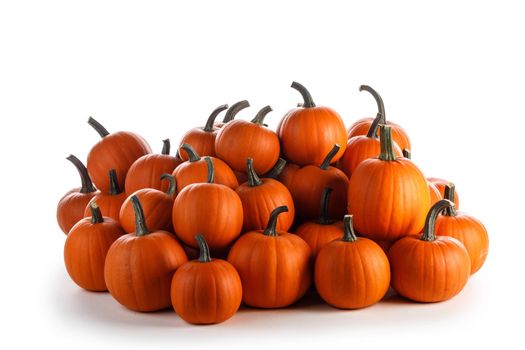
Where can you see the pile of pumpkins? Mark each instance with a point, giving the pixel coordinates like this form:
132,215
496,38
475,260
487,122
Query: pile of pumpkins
245,214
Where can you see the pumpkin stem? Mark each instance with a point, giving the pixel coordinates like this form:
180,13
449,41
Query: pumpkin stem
172,186
211,170
253,179
308,100
277,169
190,151
328,159
429,233
348,226
211,119
450,193
270,229
234,109
87,184
114,188
387,146
166,147
407,154
98,127
96,215
325,200
204,250
377,97
259,118
140,221
372,132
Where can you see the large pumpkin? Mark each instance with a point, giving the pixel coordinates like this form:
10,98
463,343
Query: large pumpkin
232,112
111,202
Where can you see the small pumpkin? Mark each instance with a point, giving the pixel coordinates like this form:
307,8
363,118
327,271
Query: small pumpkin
429,268
111,202
86,247
212,209
117,151
259,196
287,175
140,265
308,132
275,266
232,112
441,185
206,291
147,170
240,139
70,208
352,272
435,196
466,229
157,207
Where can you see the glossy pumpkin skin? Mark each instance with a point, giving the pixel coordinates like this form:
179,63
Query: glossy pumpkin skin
111,203
435,195
441,185
196,172
287,176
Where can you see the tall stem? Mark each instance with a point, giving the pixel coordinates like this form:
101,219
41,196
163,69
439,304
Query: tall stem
259,118
96,215
87,184
204,250
277,169
114,188
377,97
211,170
372,131
429,232
234,109
325,200
387,146
328,159
450,193
407,154
253,179
172,184
166,147
140,221
308,100
211,119
98,127
270,229
348,226
192,154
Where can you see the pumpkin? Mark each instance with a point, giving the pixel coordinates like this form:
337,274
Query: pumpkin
309,183
157,207
202,138
288,173
147,170
240,139
232,112
435,195
274,173
212,209
466,229
70,208
195,170
351,272
259,197
275,266
388,196
111,202
429,268
86,247
441,186
307,133
317,233
362,126
140,265
117,151
206,290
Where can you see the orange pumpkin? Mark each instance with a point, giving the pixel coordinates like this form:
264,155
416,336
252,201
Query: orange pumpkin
232,112
117,151
139,266
70,208
275,266
111,202
206,290
388,196
288,173
212,209
441,186
435,196
240,139
86,247
307,133
352,272
466,229
147,170
274,173
259,196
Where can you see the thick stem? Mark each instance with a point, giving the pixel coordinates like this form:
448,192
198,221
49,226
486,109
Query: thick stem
387,145
114,188
96,215
270,229
450,193
211,170
328,159
407,154
429,233
190,151
325,200
98,127
253,179
211,119
166,147
259,118
87,184
372,131
204,250
308,100
172,186
377,97
234,109
277,169
140,221
348,226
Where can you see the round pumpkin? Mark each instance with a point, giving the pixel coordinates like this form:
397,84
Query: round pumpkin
441,185
111,202
232,112
288,173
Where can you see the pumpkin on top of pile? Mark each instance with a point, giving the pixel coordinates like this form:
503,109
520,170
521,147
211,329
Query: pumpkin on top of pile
245,214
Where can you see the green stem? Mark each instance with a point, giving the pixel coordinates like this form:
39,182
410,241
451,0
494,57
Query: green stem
377,97
140,221
325,200
372,131
114,188
211,119
98,127
277,169
87,184
96,215
204,250
308,100
211,170
348,226
253,179
387,145
190,151
429,233
270,229
407,154
166,147
328,159
259,118
450,193
172,186
234,109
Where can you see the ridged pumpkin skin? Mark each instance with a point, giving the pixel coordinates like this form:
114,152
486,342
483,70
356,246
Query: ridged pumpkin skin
441,185
109,203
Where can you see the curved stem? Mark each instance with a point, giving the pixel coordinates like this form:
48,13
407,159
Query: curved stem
204,250
96,215
114,188
328,159
166,147
429,233
98,127
372,131
450,193
211,119
308,100
348,226
172,186
325,200
377,97
87,184
140,221
253,179
234,109
407,154
270,229
190,151
277,169
387,146
211,170
259,118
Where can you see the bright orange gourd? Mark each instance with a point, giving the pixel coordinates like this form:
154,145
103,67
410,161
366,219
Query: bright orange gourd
288,173
232,112
111,202
435,196
441,186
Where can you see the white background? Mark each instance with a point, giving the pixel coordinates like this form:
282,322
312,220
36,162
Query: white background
452,74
